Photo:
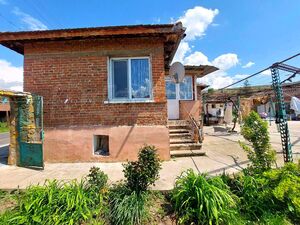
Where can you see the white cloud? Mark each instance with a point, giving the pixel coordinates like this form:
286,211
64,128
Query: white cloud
156,20
196,21
196,58
181,52
240,76
31,22
266,73
11,77
217,79
248,65
220,78
226,61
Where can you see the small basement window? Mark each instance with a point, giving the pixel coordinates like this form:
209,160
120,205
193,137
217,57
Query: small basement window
101,145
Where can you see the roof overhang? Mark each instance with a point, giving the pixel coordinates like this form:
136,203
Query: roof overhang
199,71
172,34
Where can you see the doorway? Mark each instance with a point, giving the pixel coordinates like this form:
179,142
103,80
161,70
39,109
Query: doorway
178,92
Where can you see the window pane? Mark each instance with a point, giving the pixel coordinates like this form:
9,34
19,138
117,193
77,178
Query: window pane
186,88
120,79
140,78
170,89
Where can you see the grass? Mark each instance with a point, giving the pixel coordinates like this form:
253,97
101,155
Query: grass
203,200
3,127
55,203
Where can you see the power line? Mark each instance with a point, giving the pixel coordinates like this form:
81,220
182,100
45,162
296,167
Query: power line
44,8
10,22
252,75
40,14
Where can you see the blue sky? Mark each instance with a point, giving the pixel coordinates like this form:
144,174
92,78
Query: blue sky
240,37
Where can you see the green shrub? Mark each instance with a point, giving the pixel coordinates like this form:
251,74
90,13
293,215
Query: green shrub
254,197
275,191
284,184
202,200
56,203
129,200
144,172
261,155
274,219
97,179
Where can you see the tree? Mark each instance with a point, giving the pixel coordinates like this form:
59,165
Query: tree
246,83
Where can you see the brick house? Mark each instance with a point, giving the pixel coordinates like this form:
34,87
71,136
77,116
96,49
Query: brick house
104,88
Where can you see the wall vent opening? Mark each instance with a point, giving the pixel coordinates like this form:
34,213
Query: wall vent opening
101,145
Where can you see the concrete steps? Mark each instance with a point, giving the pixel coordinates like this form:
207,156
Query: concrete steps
187,153
185,146
181,143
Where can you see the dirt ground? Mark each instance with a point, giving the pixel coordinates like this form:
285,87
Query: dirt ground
223,154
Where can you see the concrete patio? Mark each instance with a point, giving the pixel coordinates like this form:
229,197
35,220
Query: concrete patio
223,153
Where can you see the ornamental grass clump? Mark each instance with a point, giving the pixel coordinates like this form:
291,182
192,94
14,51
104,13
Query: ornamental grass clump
56,203
199,199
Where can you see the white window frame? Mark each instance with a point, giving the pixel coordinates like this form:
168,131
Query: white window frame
110,81
191,89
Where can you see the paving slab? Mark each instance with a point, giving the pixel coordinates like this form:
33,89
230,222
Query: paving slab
223,154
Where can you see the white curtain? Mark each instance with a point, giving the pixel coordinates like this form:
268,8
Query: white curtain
140,78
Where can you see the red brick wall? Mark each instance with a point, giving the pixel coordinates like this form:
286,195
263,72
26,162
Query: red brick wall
77,71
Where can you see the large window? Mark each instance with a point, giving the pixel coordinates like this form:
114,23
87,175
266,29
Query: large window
130,79
186,88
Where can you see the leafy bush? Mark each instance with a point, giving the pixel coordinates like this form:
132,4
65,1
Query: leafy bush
274,219
3,127
261,155
254,197
275,191
129,200
126,207
55,203
284,184
144,172
202,200
97,179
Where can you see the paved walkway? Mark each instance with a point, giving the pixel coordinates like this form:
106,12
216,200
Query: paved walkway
223,154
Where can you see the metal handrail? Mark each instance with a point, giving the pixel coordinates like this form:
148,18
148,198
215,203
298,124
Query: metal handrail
196,126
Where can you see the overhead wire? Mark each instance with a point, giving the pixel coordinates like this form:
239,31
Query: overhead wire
40,14
10,22
259,72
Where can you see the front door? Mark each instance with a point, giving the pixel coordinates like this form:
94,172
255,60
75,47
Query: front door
172,99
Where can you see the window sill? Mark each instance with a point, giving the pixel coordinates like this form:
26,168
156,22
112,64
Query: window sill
128,101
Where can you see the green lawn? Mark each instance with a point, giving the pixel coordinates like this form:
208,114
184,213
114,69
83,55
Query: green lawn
3,127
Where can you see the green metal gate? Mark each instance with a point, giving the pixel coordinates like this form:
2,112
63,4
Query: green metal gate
30,132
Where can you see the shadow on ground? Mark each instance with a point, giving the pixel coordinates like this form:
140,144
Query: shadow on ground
3,155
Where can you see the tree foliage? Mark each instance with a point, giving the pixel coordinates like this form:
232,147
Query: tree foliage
260,153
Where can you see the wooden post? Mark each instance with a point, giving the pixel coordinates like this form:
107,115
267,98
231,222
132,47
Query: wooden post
7,118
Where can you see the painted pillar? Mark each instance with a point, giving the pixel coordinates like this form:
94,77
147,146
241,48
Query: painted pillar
12,153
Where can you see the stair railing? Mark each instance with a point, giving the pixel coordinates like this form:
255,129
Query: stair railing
196,128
